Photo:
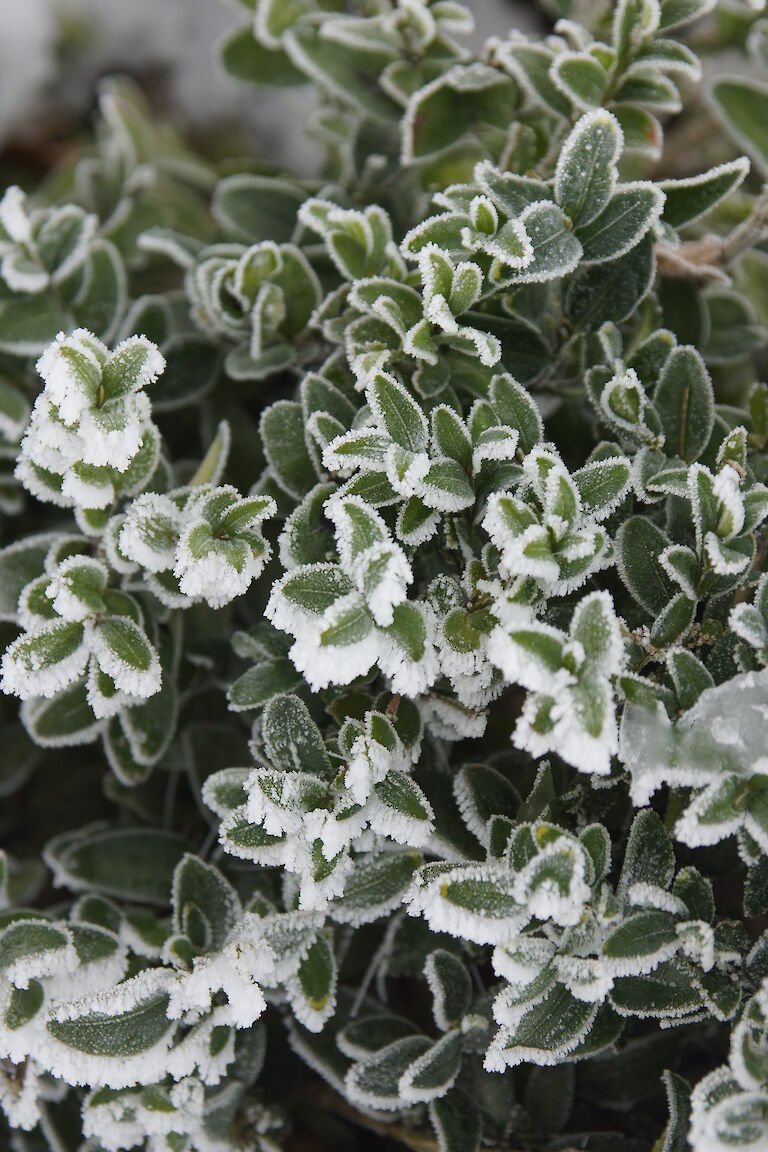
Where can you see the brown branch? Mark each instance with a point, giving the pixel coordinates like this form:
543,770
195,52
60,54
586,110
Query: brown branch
707,257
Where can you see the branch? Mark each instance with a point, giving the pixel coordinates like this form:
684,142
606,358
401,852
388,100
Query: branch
706,258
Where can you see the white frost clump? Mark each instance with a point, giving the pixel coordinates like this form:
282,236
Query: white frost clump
70,632
569,708
207,539
317,823
715,748
346,617
90,421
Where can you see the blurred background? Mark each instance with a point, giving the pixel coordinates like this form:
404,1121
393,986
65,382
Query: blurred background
53,52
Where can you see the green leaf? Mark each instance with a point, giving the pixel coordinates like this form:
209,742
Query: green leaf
361,1038
292,739
28,324
482,792
199,888
246,59
400,792
581,77
641,936
447,486
150,727
65,719
456,1120
101,299
632,210
586,171
375,1081
282,433
667,992
602,292
191,369
375,886
602,485
643,134
743,105
556,251
317,976
135,864
673,621
547,1033
516,407
350,626
398,412
648,858
434,1072
689,676
25,945
20,563
674,13
350,75
316,588
125,654
451,988
696,893
640,545
466,98
687,200
262,683
122,1035
685,403
24,1004
450,435
678,1102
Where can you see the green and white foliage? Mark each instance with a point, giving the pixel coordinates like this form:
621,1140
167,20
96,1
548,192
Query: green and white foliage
321,808
42,247
194,543
91,436
569,677
384,600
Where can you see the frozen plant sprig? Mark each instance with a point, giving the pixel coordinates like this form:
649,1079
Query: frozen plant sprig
91,421
403,661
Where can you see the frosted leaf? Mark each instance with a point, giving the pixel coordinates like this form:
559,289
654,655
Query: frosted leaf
451,720
42,663
124,653
102,693
113,434
88,488
724,1116
20,1093
14,216
410,673
150,531
476,902
234,971
76,588
522,961
585,977
30,949
400,826
144,997
369,762
326,663
532,654
552,884
213,578
377,566
71,369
